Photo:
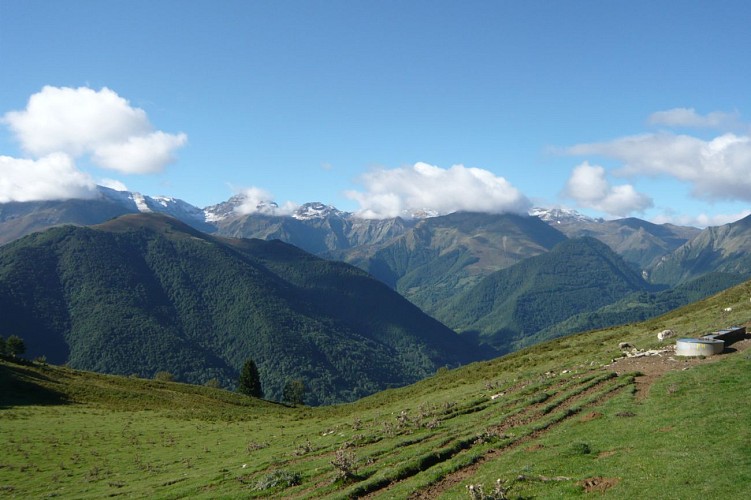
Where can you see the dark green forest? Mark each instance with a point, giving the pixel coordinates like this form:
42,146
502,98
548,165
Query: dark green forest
145,293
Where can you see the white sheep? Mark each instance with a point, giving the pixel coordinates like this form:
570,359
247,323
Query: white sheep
665,334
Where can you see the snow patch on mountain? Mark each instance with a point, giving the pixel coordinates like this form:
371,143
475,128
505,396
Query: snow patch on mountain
560,215
317,210
138,202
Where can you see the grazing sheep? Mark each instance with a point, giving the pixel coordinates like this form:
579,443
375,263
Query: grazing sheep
665,334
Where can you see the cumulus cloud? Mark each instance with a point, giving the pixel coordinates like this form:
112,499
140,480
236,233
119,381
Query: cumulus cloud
400,191
717,169
83,121
590,188
52,177
139,154
688,117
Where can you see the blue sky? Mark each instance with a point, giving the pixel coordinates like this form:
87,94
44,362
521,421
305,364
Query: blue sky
611,108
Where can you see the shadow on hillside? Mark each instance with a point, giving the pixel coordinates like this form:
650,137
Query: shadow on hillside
20,386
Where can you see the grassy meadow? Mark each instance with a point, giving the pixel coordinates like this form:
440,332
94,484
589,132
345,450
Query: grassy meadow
552,421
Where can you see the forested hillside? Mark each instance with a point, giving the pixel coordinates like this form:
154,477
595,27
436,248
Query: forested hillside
575,276
146,293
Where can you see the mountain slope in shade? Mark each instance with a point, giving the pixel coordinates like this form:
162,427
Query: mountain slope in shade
146,293
514,303
723,249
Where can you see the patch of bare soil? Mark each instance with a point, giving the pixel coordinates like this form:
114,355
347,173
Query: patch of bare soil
591,416
599,484
654,366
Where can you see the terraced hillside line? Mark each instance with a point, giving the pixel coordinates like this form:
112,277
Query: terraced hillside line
454,467
426,444
463,434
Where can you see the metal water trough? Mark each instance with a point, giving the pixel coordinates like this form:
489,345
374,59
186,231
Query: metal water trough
709,344
698,347
732,334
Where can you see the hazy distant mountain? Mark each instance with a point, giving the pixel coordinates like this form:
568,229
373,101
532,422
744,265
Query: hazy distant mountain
507,306
144,293
724,249
314,227
639,242
442,256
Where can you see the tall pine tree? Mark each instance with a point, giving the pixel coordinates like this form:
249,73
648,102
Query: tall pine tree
250,381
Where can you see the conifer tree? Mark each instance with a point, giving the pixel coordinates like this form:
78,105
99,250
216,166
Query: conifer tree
15,346
250,381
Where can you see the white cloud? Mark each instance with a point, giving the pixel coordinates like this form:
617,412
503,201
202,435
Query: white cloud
52,177
257,200
100,123
688,117
589,187
139,154
396,192
717,169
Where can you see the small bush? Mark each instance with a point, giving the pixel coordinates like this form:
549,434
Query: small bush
577,449
278,478
346,465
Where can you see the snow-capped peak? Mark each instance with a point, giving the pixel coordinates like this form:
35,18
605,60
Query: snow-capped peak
147,204
420,213
316,210
560,215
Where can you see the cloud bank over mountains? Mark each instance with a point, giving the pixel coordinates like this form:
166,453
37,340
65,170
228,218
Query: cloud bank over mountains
53,177
395,192
61,124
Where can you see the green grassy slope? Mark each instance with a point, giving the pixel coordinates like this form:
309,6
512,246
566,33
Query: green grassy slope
562,422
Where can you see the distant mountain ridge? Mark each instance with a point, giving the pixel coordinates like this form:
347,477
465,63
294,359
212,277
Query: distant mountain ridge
427,259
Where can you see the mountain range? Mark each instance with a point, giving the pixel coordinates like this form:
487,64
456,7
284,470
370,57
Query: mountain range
155,276
145,293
